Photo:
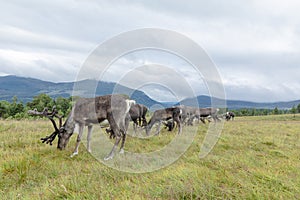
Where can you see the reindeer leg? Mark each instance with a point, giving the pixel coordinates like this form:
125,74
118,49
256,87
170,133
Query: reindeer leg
89,135
111,154
178,122
134,126
202,120
144,122
115,128
123,130
78,140
216,119
158,128
123,142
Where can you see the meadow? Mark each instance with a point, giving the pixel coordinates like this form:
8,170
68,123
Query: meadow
255,158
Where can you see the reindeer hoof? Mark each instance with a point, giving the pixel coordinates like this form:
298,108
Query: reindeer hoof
122,151
74,154
108,157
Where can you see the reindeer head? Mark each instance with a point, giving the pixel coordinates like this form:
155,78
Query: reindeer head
63,138
64,134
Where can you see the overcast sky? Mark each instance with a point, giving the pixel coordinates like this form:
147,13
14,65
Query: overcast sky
254,44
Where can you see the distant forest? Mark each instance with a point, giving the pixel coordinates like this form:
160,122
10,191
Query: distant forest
18,110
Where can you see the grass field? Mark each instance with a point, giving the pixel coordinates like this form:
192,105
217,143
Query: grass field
255,158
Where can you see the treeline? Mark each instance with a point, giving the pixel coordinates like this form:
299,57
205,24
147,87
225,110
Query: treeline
18,110
257,112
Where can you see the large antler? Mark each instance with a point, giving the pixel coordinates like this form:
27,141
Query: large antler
50,115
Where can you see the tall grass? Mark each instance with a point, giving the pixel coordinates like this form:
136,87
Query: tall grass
255,158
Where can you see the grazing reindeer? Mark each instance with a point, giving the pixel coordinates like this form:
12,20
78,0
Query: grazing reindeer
137,114
169,124
229,115
188,114
213,112
89,111
201,114
165,114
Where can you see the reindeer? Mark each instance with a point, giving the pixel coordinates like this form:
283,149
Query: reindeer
163,115
188,114
200,113
137,114
89,111
169,124
229,115
206,112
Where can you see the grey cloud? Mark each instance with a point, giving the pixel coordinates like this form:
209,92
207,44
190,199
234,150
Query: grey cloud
165,79
254,44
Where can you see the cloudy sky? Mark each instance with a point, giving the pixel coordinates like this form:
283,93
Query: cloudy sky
255,45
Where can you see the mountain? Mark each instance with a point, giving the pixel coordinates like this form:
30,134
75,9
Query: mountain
205,101
26,88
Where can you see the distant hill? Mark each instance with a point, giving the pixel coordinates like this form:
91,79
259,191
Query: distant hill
205,101
26,88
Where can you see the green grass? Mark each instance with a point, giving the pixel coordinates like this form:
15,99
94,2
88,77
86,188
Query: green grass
255,158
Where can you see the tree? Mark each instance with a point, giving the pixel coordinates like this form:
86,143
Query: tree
40,102
244,112
294,110
15,108
276,111
4,109
253,112
298,108
63,105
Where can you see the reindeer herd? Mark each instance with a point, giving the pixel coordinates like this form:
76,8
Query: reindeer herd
118,110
